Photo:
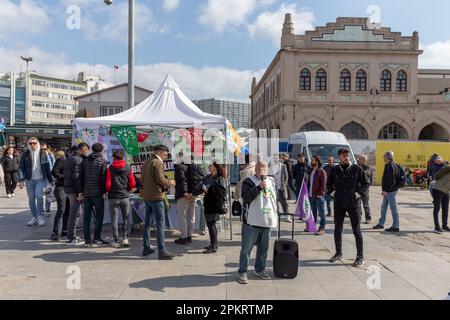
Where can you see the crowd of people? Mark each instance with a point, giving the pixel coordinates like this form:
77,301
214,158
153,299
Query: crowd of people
82,180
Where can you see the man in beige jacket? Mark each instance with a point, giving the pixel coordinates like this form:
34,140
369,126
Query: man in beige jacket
154,182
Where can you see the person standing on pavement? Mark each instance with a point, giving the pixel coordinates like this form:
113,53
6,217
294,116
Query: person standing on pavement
300,170
214,188
349,183
35,174
362,161
62,202
120,182
185,205
440,189
328,199
155,181
260,214
73,187
316,183
10,165
280,174
247,170
289,166
51,159
94,190
389,193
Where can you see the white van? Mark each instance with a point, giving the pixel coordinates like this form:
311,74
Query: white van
322,143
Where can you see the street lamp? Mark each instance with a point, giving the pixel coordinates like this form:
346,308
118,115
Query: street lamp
131,47
27,60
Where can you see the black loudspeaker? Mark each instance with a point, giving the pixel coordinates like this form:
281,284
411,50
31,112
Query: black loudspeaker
285,256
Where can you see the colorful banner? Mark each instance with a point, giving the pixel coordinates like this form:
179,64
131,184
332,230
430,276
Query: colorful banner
412,155
128,137
87,135
304,209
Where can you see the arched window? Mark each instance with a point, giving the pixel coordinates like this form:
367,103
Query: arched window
345,81
386,81
354,131
402,81
361,81
305,80
321,80
434,132
393,131
312,126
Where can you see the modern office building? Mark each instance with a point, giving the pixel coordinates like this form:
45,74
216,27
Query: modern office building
237,113
352,77
12,99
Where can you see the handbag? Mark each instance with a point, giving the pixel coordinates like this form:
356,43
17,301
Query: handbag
236,208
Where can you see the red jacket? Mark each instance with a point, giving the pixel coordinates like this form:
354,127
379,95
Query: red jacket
119,165
319,183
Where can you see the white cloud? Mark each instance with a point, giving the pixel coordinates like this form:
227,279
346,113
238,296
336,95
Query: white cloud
197,83
170,5
25,17
436,55
221,14
270,23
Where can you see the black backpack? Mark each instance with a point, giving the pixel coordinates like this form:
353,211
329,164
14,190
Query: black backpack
400,176
236,208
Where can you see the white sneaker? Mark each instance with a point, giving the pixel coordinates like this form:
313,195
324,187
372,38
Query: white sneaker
41,221
126,243
8,195
32,222
13,195
115,244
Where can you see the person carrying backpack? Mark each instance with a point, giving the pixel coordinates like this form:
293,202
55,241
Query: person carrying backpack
393,179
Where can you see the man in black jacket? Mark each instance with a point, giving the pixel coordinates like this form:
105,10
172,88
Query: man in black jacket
62,201
94,191
299,172
389,193
73,187
368,170
185,204
349,182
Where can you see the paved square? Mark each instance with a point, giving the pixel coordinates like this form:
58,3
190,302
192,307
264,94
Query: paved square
414,264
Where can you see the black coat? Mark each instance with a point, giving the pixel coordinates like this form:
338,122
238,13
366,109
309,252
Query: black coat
289,167
73,174
10,165
58,172
195,175
388,181
181,187
215,197
249,193
94,175
368,170
349,186
299,171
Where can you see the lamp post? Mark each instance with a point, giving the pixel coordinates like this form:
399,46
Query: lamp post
131,49
27,60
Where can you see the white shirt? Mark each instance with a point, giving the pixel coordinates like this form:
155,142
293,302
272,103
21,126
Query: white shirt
311,182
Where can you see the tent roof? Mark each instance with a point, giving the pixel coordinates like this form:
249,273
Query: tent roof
168,106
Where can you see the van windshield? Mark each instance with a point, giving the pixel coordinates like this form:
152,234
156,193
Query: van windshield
326,151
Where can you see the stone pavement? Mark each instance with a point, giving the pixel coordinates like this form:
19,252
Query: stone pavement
414,264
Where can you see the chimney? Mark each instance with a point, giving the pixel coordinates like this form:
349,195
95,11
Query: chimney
253,85
287,36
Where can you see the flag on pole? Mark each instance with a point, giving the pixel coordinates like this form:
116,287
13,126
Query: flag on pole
304,209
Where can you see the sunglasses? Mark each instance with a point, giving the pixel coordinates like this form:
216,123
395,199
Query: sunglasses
44,149
32,143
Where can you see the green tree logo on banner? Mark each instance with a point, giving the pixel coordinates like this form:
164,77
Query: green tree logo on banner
128,137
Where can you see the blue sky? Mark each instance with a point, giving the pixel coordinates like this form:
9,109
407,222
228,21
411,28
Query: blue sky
213,47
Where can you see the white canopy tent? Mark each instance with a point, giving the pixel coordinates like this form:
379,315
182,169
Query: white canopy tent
167,107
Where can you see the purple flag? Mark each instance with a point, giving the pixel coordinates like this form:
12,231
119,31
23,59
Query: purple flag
304,209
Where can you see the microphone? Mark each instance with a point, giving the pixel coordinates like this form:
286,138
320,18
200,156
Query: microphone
263,178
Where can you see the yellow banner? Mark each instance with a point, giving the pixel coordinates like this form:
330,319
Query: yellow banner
413,155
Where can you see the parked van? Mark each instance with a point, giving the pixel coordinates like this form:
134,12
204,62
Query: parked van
322,143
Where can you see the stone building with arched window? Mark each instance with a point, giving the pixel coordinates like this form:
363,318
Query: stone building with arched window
352,77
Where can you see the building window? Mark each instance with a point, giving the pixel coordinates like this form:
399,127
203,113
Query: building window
402,81
354,131
393,131
305,80
109,111
321,80
386,81
361,81
345,81
312,126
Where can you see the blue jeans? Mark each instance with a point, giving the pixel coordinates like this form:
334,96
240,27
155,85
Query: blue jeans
93,207
155,210
252,236
328,200
318,205
390,201
35,191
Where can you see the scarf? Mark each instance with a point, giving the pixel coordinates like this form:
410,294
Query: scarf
35,161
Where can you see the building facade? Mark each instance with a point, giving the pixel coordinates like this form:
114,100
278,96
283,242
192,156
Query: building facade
111,100
51,101
12,99
352,77
237,113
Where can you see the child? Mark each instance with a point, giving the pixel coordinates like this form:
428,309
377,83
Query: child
119,183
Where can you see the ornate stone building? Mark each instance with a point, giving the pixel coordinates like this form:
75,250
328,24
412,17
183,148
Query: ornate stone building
355,78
